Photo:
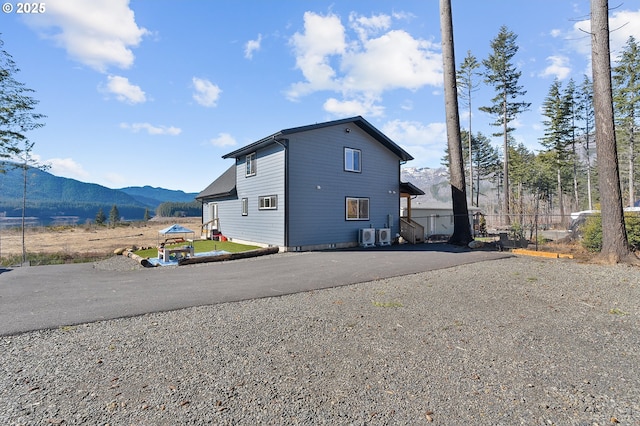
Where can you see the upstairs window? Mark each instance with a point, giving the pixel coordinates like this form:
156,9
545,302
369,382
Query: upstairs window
251,164
352,160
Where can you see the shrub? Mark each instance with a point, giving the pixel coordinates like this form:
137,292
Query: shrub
592,232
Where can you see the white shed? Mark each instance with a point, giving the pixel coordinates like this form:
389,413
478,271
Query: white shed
437,220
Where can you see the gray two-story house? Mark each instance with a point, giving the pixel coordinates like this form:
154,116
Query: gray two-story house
310,187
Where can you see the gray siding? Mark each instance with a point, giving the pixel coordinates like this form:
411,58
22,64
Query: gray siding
318,186
260,226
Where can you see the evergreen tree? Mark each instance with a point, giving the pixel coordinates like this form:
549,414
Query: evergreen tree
626,98
467,84
586,117
100,217
17,110
486,161
147,216
502,74
114,215
17,117
571,98
557,135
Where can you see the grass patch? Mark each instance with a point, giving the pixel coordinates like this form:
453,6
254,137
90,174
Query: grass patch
616,311
202,246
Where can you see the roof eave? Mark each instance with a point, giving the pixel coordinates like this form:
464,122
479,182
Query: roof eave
358,121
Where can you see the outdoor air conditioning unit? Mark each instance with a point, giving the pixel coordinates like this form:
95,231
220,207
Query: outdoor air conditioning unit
367,237
383,237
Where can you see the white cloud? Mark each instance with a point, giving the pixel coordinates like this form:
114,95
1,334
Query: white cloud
426,143
66,167
365,27
353,107
206,93
622,24
124,90
97,33
558,68
323,37
116,179
151,129
394,60
252,46
415,133
374,60
222,140
407,105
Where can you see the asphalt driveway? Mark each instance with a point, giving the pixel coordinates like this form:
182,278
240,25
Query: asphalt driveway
41,297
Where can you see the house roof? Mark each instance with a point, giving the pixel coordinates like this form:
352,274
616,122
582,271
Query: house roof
411,189
224,186
358,121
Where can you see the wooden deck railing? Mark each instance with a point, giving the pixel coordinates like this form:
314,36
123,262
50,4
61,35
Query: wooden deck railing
411,231
209,226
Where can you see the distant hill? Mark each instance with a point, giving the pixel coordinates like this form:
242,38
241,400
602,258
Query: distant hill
153,197
51,197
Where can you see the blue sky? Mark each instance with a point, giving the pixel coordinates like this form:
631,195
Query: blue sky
155,92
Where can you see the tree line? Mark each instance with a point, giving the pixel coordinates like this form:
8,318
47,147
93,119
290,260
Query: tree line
561,177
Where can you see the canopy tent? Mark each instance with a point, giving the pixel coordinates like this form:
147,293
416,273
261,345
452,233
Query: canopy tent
175,231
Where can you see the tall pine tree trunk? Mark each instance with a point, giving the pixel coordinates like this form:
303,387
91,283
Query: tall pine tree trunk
632,160
461,227
505,185
615,247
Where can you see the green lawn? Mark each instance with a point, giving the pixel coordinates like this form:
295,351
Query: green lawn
202,246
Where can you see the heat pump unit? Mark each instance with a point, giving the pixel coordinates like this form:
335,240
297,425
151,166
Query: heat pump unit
367,237
383,237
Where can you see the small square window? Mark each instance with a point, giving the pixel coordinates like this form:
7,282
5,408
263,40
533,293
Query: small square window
352,159
251,164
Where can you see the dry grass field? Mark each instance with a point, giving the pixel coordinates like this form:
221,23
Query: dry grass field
99,240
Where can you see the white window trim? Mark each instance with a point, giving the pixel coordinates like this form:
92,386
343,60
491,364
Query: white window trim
245,207
250,165
358,199
268,202
350,152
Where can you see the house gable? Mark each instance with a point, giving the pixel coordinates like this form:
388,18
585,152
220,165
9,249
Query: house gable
310,187
358,122
320,185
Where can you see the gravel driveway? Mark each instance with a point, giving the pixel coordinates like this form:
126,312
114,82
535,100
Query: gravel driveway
512,341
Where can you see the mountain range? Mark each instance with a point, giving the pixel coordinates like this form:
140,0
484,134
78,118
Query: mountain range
51,197
434,183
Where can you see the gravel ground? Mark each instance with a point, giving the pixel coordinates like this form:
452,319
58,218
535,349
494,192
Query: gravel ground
515,341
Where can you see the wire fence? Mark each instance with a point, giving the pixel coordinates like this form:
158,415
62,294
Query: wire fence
531,227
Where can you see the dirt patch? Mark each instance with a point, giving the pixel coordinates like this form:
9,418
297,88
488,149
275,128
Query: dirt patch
89,238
